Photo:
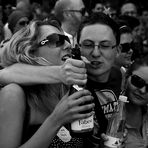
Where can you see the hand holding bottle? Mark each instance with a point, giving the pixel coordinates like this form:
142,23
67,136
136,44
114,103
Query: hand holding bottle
70,108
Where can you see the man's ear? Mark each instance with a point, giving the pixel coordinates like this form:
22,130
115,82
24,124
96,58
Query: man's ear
66,14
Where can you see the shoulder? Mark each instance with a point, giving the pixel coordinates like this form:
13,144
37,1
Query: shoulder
12,97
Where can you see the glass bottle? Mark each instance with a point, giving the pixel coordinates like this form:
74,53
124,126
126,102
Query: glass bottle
83,127
116,125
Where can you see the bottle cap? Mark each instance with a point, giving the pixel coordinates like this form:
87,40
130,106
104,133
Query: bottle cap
123,98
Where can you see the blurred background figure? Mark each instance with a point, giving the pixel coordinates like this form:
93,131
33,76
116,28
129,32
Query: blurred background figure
126,38
70,13
17,20
98,7
137,44
1,24
129,8
124,57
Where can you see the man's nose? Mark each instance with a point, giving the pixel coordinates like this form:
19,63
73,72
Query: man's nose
96,51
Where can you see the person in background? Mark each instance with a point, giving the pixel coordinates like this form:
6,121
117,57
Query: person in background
70,13
137,110
7,10
129,8
17,20
1,24
134,24
99,7
123,59
37,113
126,38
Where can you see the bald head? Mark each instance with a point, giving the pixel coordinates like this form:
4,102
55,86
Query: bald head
62,5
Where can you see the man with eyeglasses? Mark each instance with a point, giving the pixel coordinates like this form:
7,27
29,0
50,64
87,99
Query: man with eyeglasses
98,38
70,13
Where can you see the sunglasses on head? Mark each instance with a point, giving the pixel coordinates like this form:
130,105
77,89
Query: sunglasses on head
23,23
55,40
138,82
126,47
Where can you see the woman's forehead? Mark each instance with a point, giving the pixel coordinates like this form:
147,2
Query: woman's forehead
142,72
47,30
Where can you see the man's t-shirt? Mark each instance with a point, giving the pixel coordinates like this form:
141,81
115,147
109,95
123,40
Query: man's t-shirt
106,98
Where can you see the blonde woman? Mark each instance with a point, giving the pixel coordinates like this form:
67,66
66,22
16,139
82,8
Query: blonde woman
32,116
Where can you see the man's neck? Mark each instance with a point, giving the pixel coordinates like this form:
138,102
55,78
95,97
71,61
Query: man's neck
101,78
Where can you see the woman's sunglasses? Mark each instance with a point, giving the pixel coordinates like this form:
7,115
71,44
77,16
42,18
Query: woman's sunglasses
55,40
138,82
23,23
126,47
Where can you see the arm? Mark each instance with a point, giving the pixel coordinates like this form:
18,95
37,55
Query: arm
12,111
71,72
66,111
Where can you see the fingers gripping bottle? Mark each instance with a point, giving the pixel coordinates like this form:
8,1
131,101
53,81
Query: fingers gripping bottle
83,127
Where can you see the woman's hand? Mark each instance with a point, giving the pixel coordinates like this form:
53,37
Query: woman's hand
70,108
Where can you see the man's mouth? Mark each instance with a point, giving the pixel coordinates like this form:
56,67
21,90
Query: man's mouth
96,63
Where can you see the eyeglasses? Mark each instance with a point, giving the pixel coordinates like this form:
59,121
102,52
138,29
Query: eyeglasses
138,82
23,23
82,11
90,45
54,40
126,47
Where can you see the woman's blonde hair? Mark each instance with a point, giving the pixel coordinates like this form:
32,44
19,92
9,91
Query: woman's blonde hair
20,49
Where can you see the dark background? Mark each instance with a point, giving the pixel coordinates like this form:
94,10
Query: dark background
88,3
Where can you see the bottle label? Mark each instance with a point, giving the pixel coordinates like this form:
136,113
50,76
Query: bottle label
64,134
83,124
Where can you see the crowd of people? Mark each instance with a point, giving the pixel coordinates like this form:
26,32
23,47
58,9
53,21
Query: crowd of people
38,71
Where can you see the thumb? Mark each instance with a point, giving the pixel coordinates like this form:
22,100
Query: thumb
66,95
84,59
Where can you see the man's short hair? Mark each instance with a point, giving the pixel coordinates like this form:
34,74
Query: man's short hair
100,18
